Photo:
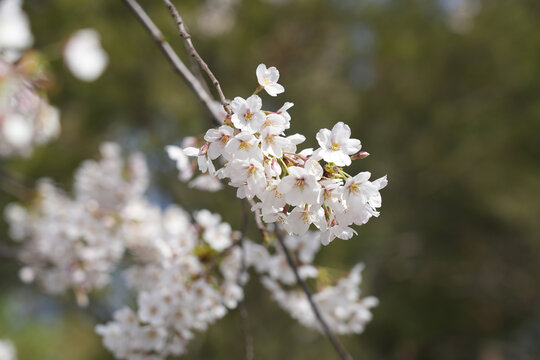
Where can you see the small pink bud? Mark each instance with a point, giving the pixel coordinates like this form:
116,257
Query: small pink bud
360,155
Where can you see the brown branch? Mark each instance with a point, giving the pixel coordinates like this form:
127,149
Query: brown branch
248,339
325,328
174,59
195,55
242,309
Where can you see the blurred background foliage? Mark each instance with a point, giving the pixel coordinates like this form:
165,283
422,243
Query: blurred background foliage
446,98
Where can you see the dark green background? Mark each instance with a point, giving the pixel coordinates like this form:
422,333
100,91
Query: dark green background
452,118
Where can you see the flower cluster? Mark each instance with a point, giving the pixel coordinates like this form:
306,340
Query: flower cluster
187,273
26,118
338,301
177,296
289,186
76,242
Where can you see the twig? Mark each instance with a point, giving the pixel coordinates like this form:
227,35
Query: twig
194,54
248,339
329,334
174,59
195,70
242,309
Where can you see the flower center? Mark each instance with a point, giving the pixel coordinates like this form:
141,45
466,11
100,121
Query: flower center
252,170
248,116
354,188
267,81
244,145
305,217
335,146
224,138
300,182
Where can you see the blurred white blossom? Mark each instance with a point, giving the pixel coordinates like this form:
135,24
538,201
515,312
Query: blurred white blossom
15,33
26,118
7,350
85,56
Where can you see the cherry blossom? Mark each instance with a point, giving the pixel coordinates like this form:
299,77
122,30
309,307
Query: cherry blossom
268,79
336,145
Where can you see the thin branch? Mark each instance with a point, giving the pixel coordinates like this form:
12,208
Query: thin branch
325,328
196,70
194,54
174,59
248,339
242,309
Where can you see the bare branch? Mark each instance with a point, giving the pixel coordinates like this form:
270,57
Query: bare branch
242,309
174,59
248,339
194,54
329,334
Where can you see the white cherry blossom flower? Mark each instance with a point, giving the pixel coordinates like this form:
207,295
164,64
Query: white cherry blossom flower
247,114
336,145
300,186
301,218
268,79
276,121
243,146
272,143
218,138
247,175
339,231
